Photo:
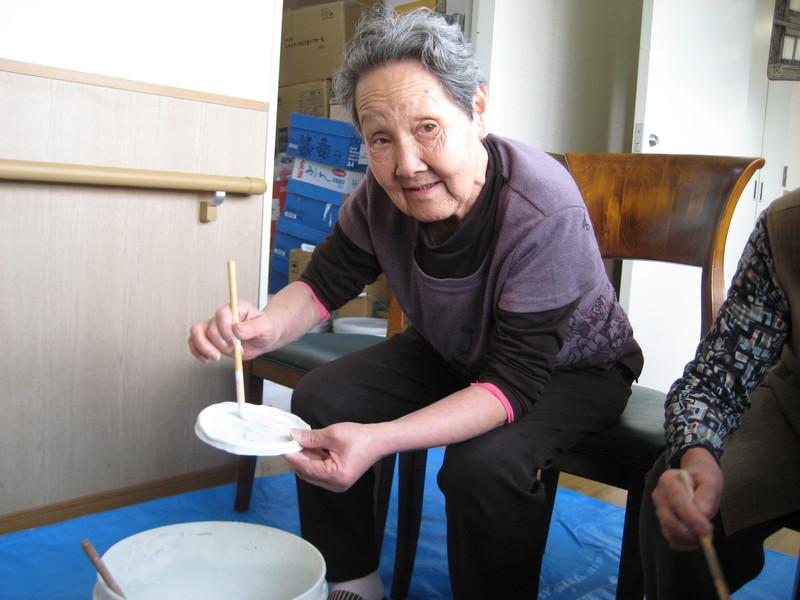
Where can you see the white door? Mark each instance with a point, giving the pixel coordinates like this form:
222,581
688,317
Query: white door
702,89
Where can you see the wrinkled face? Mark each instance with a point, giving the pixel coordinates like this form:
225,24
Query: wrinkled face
423,150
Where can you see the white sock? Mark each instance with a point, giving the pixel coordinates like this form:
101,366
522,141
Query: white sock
369,587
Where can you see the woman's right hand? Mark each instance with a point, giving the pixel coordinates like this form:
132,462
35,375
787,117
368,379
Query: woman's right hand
209,340
685,515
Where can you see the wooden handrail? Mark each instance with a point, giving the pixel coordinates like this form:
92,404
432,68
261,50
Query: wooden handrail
26,170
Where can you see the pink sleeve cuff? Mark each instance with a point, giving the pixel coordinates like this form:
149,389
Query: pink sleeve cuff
492,388
324,314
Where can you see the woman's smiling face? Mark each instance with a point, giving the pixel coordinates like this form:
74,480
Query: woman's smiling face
423,149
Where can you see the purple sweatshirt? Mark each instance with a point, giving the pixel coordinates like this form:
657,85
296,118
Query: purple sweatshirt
536,299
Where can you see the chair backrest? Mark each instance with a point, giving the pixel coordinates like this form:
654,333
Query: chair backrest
666,207
397,319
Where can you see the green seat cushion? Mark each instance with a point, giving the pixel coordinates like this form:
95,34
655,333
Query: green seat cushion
315,349
637,438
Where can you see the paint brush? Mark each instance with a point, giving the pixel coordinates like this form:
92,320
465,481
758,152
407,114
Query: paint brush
237,348
708,549
101,567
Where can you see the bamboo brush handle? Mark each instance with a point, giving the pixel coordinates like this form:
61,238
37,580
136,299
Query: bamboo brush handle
101,567
237,348
708,549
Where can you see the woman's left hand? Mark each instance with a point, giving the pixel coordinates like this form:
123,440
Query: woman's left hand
334,457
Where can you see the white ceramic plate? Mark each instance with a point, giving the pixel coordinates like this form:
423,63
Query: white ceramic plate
260,431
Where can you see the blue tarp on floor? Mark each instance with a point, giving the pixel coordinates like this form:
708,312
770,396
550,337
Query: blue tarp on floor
580,562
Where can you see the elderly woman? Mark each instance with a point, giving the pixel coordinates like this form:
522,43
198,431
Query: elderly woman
518,347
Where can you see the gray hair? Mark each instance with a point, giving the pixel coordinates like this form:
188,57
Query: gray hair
383,37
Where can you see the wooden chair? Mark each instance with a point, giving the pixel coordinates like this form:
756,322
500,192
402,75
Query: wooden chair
672,208
669,208
286,367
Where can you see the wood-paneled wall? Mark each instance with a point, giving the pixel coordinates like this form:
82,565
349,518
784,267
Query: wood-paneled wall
100,286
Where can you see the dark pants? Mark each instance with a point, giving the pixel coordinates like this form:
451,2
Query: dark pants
671,575
496,508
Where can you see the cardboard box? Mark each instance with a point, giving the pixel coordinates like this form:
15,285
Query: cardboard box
331,178
327,141
337,112
295,4
290,235
312,98
380,290
278,274
283,166
279,193
298,259
373,301
363,306
437,5
312,206
277,281
313,38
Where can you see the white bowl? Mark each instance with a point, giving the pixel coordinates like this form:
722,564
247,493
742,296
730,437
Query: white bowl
365,325
212,560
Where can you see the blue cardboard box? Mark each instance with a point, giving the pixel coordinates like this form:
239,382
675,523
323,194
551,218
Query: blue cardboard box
291,234
278,274
337,179
312,205
326,141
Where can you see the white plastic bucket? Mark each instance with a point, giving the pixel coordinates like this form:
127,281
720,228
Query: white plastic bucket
212,560
364,325
322,327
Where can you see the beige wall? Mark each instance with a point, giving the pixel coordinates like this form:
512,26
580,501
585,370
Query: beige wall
217,47
793,150
100,285
97,388
562,73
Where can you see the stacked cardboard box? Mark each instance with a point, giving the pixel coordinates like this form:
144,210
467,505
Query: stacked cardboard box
313,36
373,301
310,98
328,162
326,155
333,143
280,188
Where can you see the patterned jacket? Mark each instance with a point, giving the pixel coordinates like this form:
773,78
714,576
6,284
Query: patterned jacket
745,378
